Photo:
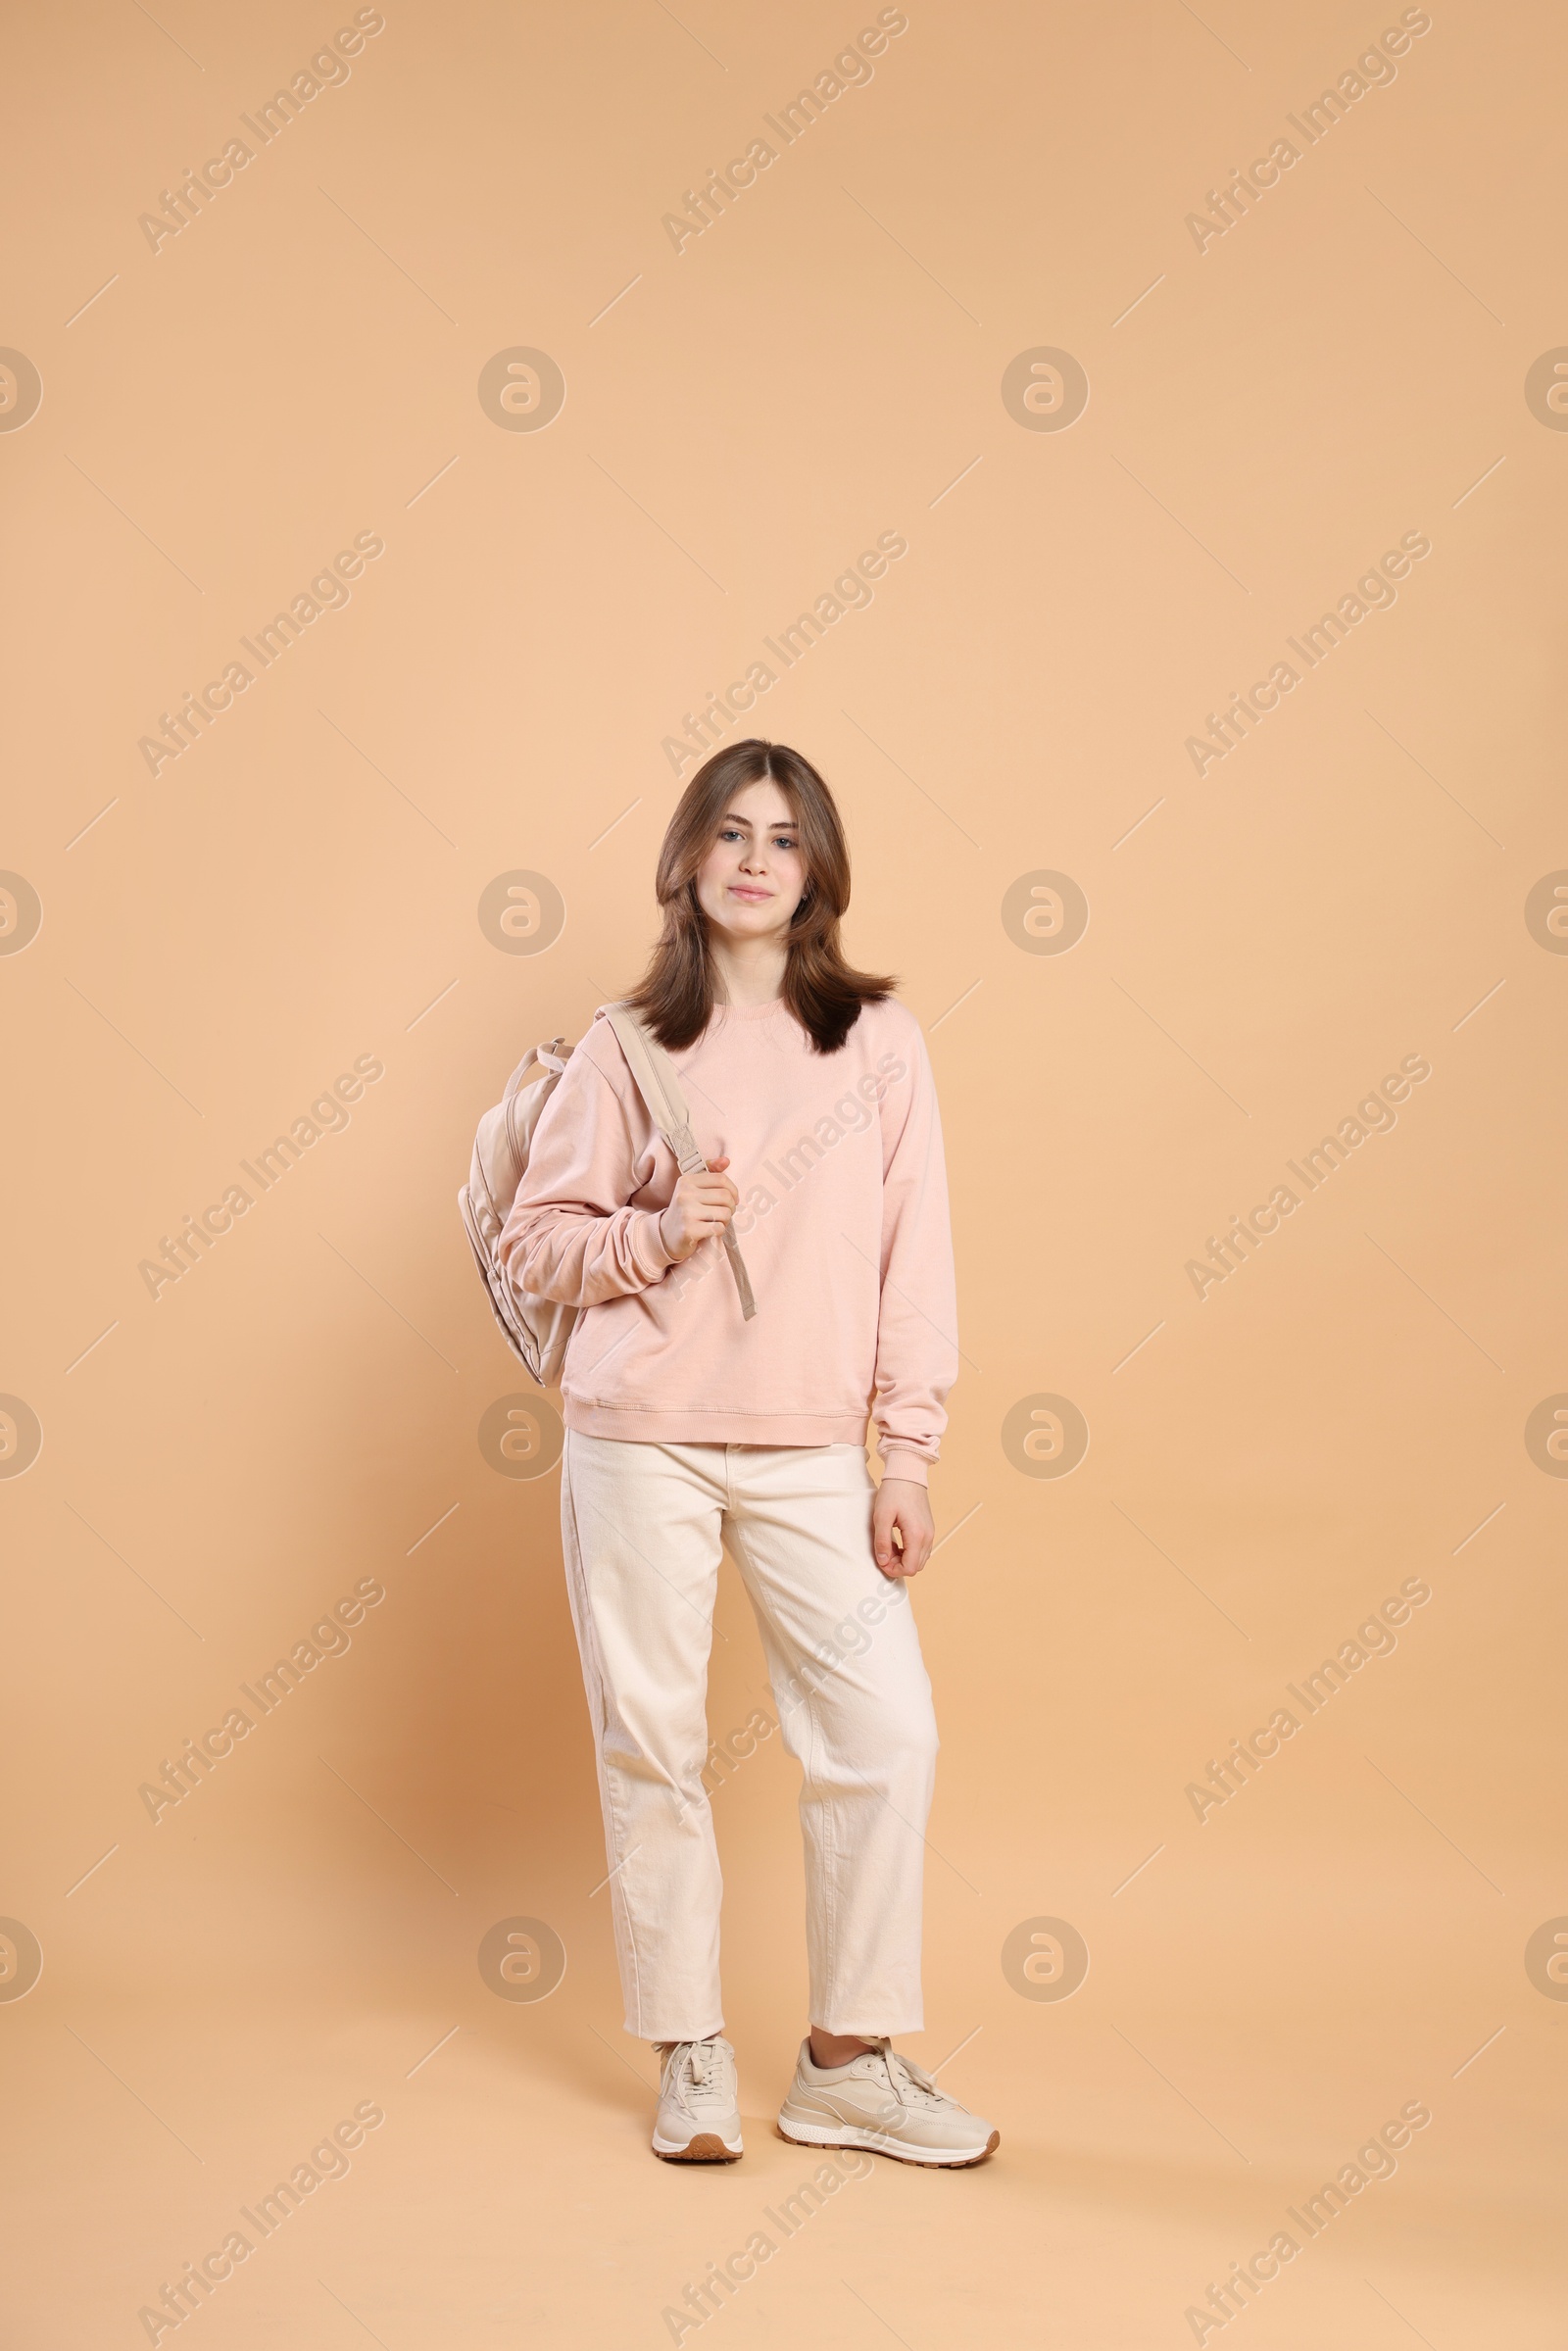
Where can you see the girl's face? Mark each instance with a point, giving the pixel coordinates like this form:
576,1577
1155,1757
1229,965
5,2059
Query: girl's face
754,876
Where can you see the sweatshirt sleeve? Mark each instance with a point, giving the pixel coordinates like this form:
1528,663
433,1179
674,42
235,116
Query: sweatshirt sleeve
917,1343
571,1235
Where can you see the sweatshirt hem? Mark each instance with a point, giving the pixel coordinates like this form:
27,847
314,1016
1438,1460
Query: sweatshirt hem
723,1425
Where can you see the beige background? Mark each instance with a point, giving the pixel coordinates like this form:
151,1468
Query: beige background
217,943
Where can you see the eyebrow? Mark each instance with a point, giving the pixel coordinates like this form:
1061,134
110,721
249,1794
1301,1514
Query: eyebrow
785,824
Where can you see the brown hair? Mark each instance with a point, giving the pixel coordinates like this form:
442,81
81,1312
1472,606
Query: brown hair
676,995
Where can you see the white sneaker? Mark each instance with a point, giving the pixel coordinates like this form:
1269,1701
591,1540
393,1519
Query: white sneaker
884,2102
699,2102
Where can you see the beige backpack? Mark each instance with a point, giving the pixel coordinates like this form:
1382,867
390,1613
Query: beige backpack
537,1328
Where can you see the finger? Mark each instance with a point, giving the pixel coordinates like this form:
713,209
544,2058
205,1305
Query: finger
717,1166
915,1548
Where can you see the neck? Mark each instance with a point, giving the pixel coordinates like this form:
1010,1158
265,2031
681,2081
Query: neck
746,973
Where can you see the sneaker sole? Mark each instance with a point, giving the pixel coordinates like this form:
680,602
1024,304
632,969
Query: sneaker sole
706,2148
877,2142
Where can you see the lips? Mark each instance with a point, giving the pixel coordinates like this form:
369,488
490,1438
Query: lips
754,898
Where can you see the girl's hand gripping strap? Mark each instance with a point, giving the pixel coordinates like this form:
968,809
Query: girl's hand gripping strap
659,1089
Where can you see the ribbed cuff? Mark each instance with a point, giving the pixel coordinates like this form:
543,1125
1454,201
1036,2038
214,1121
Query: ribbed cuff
646,1244
898,1463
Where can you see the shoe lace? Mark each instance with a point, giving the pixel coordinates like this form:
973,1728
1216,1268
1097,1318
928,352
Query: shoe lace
910,2084
695,2061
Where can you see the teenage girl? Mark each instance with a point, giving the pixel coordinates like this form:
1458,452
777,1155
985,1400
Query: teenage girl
690,1427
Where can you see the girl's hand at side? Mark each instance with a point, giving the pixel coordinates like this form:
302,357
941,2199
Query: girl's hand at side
701,1208
902,1507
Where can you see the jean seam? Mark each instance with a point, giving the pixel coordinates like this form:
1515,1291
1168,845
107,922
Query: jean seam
812,1775
589,1639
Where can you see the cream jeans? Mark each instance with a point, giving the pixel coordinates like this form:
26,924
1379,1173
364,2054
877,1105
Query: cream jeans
641,1526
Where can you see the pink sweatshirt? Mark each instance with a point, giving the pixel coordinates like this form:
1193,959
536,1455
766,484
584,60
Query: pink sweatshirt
843,1223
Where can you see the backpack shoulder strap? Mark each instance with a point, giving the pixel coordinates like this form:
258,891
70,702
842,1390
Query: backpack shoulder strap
659,1088
657,1084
